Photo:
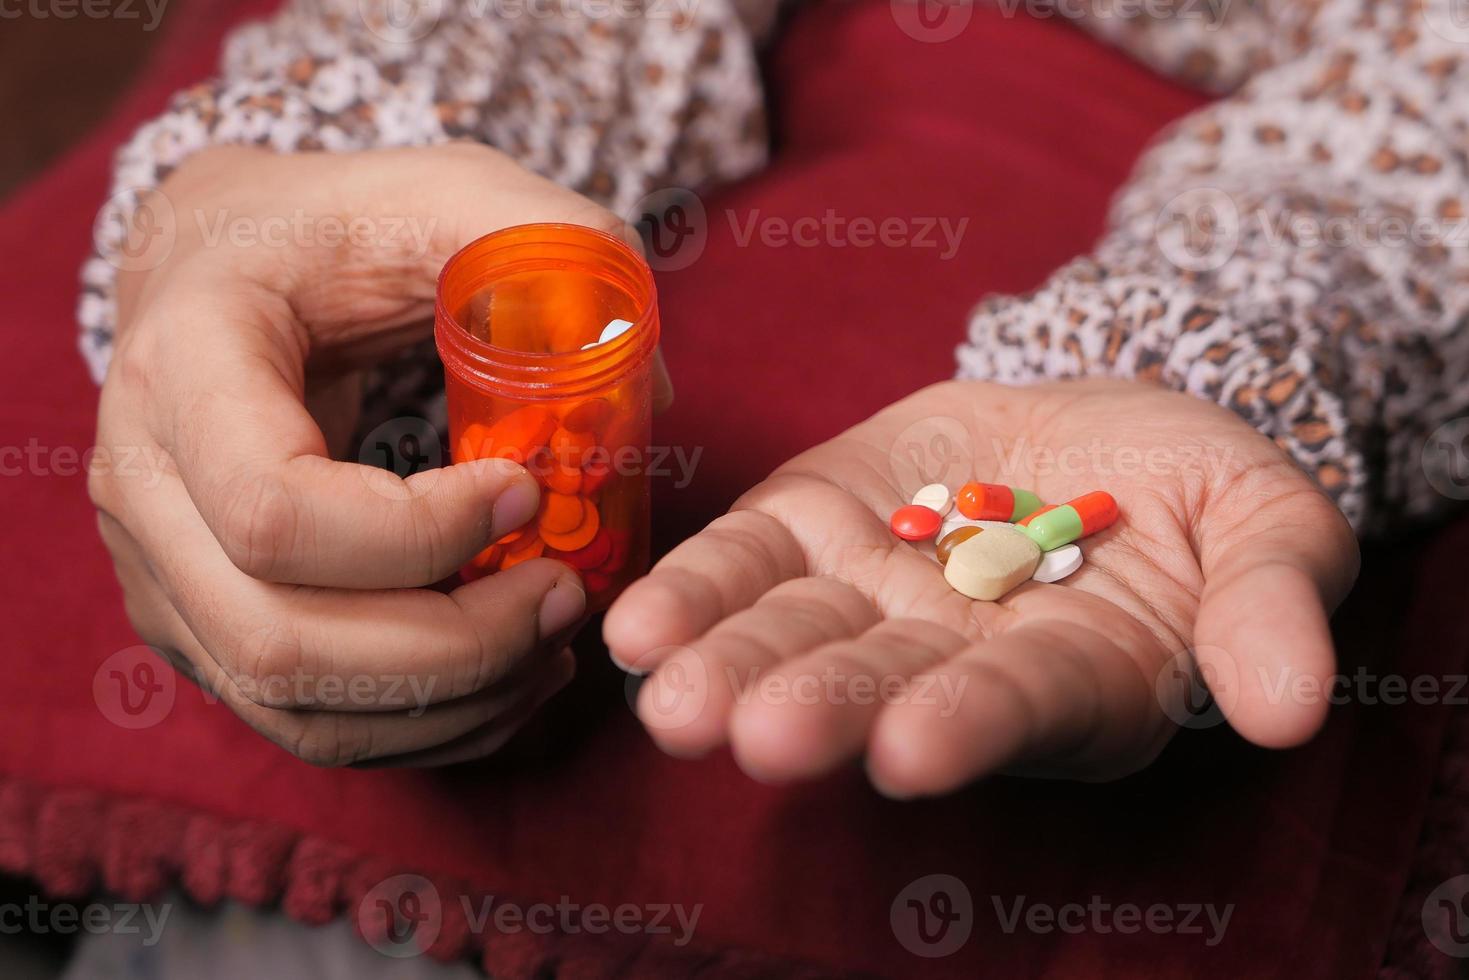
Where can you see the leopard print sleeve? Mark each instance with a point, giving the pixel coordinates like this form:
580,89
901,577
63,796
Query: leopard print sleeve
1298,252
646,93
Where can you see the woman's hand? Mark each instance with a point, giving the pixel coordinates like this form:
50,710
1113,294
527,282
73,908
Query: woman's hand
287,582
801,631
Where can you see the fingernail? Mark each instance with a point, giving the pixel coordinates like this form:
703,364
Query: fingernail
562,606
515,506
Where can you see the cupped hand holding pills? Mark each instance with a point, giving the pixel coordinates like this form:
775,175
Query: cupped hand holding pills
1225,560
289,582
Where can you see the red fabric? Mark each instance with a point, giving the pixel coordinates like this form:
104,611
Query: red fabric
1022,126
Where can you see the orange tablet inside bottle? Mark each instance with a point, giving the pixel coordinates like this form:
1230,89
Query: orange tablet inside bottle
517,322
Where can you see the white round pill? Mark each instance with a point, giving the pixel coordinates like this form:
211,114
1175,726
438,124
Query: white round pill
1056,565
935,496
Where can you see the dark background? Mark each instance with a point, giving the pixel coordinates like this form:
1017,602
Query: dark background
59,77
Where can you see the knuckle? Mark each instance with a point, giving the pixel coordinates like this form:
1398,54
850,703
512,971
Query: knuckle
102,492
328,742
264,663
258,525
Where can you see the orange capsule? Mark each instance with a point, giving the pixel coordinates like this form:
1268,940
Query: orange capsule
1087,514
995,502
1033,515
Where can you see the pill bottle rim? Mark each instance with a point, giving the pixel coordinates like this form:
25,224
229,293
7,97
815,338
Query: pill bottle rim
529,374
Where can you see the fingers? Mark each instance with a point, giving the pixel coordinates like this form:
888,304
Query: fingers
723,569
348,737
256,468
1262,631
1058,693
687,703
491,736
282,638
826,700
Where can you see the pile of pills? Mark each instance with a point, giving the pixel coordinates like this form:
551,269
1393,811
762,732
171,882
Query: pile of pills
1002,536
558,446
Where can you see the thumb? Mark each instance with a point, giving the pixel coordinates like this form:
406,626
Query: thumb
1262,640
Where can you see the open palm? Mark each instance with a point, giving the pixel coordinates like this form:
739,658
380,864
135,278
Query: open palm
799,630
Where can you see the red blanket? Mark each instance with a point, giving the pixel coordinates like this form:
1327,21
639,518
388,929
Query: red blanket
1323,856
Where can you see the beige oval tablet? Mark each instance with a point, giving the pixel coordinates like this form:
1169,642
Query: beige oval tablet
988,565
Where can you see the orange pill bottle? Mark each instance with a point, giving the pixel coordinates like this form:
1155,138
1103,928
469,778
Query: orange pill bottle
517,321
